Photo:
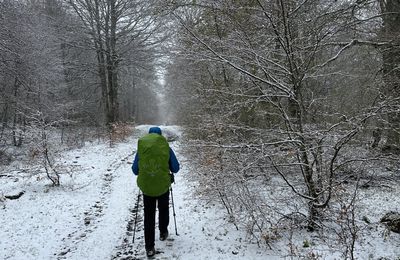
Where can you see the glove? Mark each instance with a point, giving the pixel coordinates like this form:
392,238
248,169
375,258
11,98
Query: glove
172,178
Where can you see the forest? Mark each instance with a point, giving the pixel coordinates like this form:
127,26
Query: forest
290,109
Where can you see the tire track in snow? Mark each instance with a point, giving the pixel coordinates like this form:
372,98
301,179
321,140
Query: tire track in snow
128,250
135,251
94,213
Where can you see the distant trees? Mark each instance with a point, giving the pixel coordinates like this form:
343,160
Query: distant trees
63,61
31,69
119,30
32,77
37,81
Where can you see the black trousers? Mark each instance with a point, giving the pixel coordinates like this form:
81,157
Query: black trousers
150,217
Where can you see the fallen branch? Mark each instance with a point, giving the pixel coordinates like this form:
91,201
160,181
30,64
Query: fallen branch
14,197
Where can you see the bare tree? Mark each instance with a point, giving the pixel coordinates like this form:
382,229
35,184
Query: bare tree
116,27
271,80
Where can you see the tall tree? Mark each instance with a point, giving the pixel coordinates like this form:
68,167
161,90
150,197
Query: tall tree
115,27
266,73
390,10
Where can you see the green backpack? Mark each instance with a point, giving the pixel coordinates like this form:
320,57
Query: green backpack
153,179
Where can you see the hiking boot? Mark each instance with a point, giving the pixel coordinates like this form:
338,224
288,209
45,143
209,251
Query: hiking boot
164,236
151,252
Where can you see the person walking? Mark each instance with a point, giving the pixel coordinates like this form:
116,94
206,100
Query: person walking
153,164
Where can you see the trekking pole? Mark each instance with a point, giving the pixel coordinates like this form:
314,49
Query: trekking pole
137,209
173,210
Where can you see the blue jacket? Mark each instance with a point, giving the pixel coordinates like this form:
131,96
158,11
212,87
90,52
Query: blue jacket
173,162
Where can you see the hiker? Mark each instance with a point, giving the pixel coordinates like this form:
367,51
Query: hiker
153,163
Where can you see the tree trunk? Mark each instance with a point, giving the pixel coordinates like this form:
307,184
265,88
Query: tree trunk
16,132
4,119
391,73
112,67
101,53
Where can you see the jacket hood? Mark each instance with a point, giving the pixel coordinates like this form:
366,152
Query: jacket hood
155,130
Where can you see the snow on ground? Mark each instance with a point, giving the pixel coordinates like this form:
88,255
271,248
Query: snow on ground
46,219
91,215
375,242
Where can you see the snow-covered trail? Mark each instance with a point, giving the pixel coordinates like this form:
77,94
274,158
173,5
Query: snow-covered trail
82,219
91,215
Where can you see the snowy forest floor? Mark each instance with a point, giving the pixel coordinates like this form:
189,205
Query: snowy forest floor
92,214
